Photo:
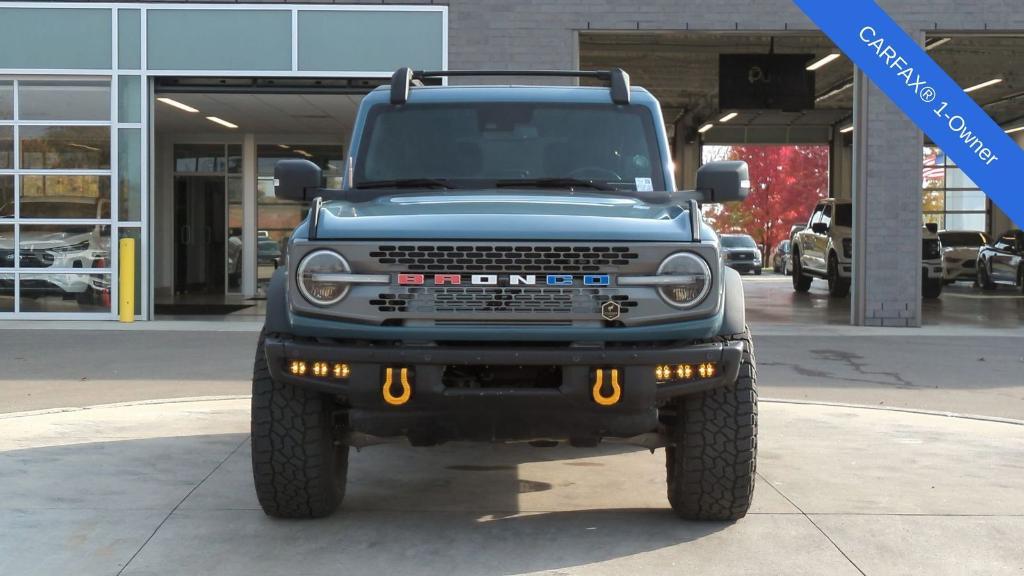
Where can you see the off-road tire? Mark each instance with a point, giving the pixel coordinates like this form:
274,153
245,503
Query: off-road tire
298,468
838,287
711,459
984,281
801,283
757,271
931,289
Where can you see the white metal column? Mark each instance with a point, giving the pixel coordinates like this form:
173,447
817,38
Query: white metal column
249,260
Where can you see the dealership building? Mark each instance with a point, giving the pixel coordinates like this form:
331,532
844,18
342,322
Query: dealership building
162,122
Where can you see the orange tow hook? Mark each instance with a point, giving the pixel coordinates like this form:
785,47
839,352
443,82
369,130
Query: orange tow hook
598,391
403,384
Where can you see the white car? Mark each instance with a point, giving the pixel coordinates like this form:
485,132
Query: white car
960,253
825,250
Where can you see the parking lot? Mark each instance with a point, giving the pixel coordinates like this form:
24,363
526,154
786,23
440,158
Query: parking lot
881,452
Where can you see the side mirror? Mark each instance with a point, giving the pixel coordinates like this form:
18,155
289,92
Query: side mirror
296,180
727,181
819,228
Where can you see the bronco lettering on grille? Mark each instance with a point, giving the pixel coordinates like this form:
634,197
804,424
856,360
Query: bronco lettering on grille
410,279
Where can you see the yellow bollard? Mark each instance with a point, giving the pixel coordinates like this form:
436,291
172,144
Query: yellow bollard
126,310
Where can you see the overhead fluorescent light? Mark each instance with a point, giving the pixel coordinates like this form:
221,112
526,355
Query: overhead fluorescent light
84,147
177,105
1017,129
991,82
822,62
835,92
706,127
285,146
937,43
222,122
846,130
303,152
728,117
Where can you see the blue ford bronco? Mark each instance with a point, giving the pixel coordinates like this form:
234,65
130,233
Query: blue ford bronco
506,263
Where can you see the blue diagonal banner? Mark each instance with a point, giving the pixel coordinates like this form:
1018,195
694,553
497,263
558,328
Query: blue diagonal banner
904,72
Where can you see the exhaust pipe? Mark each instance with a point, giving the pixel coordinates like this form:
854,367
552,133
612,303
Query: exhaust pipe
598,392
405,389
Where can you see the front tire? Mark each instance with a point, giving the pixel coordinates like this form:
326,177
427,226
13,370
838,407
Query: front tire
298,468
932,289
838,287
711,459
801,283
984,281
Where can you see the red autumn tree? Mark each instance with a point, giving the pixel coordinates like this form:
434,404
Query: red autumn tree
786,182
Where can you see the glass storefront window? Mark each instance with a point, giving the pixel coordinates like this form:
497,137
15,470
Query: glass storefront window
61,196
129,174
6,196
6,147
6,100
66,292
58,100
61,172
129,99
65,147
949,198
64,246
6,246
199,158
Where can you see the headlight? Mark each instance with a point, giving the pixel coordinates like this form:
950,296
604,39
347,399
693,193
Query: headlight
319,291
692,280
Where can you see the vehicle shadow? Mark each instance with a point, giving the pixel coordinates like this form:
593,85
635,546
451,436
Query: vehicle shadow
459,509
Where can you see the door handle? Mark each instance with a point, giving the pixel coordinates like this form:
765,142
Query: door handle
186,234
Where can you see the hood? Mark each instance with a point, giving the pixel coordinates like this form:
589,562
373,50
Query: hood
505,215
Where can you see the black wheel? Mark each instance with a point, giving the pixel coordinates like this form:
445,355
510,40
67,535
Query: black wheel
838,286
984,281
758,271
298,468
801,283
931,289
712,456
1020,278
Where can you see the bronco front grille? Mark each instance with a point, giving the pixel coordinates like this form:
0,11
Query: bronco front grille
455,299
498,258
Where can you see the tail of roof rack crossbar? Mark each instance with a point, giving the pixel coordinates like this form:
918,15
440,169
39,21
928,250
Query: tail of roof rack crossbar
403,78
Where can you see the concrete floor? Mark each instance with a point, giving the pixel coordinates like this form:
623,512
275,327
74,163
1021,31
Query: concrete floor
165,488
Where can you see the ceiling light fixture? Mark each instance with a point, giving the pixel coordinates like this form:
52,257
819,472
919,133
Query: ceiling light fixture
936,44
222,122
1017,129
284,146
991,82
846,130
835,92
706,127
303,152
728,117
822,62
178,105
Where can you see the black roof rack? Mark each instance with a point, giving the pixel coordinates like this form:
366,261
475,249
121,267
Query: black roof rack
403,78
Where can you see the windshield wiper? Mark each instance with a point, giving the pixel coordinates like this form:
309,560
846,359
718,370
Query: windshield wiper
406,183
554,183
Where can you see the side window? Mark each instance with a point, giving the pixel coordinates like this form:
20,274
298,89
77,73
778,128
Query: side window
816,215
826,215
1006,241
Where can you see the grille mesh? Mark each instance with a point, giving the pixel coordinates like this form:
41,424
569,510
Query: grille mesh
498,258
455,299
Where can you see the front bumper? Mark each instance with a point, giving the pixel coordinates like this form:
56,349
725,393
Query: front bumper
436,412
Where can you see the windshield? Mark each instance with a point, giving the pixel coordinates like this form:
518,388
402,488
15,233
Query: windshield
962,239
486,144
738,242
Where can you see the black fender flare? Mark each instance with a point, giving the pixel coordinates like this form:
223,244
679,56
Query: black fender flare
734,318
278,320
